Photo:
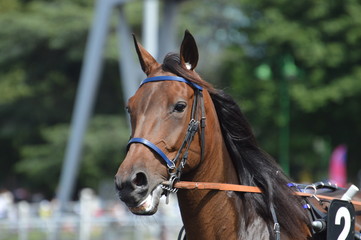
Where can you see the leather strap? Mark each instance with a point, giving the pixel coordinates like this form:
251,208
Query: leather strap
241,188
216,186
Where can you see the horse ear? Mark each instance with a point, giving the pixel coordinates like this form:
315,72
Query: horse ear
147,61
189,51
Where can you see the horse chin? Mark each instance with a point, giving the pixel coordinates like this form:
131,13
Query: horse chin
149,205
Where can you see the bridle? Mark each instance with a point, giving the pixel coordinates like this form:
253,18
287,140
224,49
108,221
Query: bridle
194,125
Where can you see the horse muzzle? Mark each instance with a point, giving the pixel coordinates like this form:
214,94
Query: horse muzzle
136,193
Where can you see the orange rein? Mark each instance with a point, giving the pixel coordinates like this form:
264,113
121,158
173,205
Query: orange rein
240,188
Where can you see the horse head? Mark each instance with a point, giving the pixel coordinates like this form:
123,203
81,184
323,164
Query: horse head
161,112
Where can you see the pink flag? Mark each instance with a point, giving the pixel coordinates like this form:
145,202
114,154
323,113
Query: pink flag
337,171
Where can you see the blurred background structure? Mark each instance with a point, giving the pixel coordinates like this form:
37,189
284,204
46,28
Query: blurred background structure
293,68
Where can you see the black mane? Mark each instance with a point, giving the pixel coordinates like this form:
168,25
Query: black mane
254,166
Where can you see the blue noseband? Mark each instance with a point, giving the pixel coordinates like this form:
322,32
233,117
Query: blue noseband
152,146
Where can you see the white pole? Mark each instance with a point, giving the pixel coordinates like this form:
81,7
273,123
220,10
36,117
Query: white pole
150,26
24,216
130,69
86,94
168,29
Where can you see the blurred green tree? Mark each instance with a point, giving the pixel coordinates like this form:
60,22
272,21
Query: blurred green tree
242,47
104,147
323,39
41,50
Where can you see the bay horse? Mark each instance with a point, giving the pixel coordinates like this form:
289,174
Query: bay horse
182,128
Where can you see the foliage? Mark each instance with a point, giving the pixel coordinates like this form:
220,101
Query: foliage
321,38
246,47
41,50
38,69
104,147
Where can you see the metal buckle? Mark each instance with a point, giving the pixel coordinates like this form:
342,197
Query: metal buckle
169,189
193,126
276,227
168,185
277,230
172,166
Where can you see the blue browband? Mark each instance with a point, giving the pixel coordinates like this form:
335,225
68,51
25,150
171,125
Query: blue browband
171,78
170,163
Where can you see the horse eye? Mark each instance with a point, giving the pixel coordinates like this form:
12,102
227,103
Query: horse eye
127,109
180,106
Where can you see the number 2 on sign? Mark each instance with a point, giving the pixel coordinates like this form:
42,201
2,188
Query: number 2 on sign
343,212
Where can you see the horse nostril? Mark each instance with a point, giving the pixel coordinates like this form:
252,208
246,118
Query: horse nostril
140,180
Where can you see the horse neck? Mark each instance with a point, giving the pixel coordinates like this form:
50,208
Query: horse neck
217,165
217,214
204,213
